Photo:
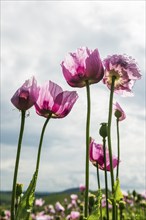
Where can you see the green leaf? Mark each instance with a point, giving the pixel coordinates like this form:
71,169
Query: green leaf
96,209
26,203
117,191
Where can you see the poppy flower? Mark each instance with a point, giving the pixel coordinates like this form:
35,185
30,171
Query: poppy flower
81,66
125,70
118,111
26,96
96,155
53,100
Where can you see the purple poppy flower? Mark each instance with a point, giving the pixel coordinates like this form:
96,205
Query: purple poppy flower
26,96
53,100
96,155
125,70
81,66
119,113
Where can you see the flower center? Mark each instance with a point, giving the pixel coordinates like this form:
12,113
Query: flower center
24,95
118,78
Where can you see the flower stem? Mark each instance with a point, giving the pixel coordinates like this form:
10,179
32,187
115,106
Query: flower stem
87,150
98,181
109,142
41,141
17,165
106,181
98,178
118,148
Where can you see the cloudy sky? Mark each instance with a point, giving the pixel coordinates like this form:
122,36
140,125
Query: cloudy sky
36,36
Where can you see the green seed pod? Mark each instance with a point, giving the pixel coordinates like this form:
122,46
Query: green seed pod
118,114
103,130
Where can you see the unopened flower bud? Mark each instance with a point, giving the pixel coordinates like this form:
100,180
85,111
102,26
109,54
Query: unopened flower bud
103,130
19,187
91,200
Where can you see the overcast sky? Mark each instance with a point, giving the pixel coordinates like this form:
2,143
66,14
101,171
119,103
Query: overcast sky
36,36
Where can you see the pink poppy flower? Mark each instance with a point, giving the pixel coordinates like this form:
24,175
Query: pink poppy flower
125,70
81,66
74,215
39,202
119,113
53,100
26,96
104,204
82,188
96,155
59,207
74,196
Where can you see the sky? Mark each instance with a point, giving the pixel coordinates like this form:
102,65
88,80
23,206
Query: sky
35,38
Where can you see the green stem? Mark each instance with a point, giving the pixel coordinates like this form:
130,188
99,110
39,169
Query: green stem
118,148
41,141
87,149
98,178
17,165
98,181
110,145
106,181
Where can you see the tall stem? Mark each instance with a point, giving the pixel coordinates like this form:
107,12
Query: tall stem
106,181
109,143
118,148
87,149
98,178
17,165
41,141
98,181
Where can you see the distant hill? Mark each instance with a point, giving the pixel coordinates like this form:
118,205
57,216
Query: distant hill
49,197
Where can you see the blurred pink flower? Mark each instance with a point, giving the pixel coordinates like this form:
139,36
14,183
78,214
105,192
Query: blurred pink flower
143,194
96,155
74,196
59,207
74,215
119,113
43,216
39,202
26,96
53,100
104,204
81,66
82,188
126,71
